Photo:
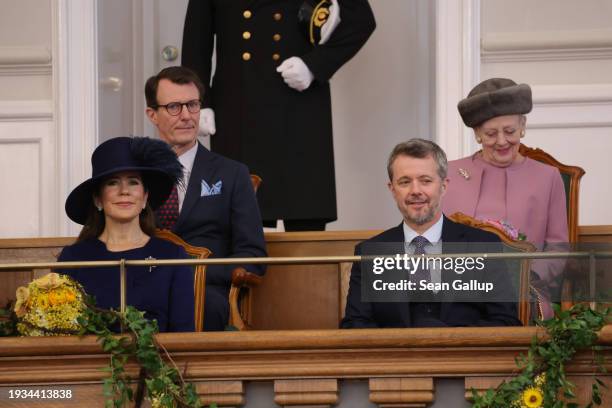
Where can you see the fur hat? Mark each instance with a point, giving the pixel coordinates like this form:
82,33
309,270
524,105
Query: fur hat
495,97
154,159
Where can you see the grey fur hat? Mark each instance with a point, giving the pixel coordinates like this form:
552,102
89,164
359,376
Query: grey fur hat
495,97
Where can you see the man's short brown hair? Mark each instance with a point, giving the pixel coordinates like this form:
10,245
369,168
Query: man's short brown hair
419,149
177,75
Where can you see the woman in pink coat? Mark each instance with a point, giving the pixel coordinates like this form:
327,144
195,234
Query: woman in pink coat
498,183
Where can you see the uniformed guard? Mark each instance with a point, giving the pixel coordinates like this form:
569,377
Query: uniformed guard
270,100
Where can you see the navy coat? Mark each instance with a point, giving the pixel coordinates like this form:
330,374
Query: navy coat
228,223
164,293
361,314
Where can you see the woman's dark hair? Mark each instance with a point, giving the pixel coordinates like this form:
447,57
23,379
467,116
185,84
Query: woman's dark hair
94,226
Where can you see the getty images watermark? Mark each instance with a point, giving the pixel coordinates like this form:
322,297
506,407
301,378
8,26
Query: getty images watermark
448,272
411,264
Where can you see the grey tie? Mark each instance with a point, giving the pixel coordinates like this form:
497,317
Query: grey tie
419,243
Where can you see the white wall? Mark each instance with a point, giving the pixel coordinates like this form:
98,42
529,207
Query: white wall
25,50
380,98
27,143
563,49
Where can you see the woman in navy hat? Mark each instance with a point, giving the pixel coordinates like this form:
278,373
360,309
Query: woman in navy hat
497,183
131,177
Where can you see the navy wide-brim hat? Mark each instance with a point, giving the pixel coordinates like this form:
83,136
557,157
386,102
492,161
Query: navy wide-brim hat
494,97
154,159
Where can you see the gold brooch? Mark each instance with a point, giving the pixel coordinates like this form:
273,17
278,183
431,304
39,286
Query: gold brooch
464,173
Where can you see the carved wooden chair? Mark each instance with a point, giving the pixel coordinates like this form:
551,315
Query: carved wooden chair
242,281
571,176
239,297
256,181
199,278
526,292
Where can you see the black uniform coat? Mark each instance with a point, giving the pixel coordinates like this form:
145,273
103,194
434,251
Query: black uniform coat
283,135
360,314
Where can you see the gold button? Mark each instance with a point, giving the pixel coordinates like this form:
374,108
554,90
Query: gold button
246,56
247,14
278,16
276,37
275,57
246,35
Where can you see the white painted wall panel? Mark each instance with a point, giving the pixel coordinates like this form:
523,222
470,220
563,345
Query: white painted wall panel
28,171
25,49
20,179
380,98
544,15
563,49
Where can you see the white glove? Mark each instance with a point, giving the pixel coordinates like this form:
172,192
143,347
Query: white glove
332,22
207,122
295,73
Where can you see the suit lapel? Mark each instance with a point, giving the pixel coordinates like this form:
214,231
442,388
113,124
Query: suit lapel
202,169
452,232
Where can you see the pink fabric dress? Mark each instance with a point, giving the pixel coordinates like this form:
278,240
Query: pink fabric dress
529,195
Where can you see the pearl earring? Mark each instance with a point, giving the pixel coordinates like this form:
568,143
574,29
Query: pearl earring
522,133
478,139
99,207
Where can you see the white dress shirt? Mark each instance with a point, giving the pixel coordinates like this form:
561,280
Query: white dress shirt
186,160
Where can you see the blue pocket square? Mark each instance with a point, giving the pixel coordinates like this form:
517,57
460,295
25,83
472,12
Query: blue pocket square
207,190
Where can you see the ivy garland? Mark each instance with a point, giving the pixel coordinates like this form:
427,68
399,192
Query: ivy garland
543,377
541,380
164,383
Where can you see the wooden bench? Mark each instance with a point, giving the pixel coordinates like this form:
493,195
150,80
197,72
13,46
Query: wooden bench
393,367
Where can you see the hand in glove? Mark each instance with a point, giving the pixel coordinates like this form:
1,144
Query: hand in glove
207,122
295,73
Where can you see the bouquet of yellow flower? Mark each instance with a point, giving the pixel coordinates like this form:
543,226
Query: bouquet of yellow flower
57,305
49,306
532,396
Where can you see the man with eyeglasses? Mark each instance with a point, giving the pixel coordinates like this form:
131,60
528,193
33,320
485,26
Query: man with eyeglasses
216,206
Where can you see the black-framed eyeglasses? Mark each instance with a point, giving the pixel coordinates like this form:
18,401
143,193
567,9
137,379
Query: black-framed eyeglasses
175,108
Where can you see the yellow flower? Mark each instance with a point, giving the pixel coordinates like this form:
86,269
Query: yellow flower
22,297
50,305
54,298
532,398
70,296
49,281
540,380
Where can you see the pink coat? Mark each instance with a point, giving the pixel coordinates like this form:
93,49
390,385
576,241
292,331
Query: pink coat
535,205
535,197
